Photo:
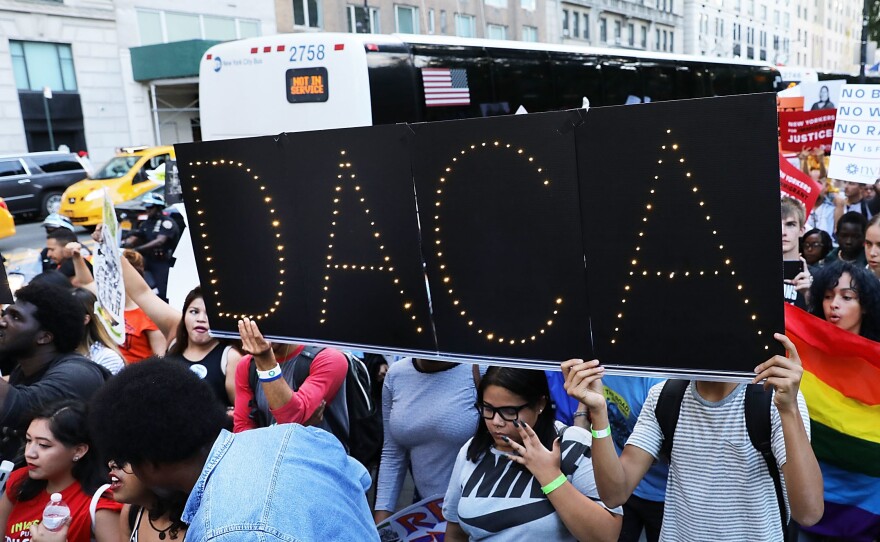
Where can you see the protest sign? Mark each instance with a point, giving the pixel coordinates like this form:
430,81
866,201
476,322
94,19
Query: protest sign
797,184
110,306
534,250
420,522
799,130
855,155
821,95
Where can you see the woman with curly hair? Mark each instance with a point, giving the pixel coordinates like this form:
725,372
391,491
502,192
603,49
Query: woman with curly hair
848,296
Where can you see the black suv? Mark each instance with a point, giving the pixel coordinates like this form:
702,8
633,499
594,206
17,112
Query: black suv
32,183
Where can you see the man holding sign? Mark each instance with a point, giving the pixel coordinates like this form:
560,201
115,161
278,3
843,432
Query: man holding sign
712,460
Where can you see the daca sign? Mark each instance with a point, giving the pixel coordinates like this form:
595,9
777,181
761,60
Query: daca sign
640,235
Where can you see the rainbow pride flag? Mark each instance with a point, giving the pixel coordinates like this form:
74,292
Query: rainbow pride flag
841,385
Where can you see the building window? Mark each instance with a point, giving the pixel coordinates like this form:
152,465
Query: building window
363,20
671,41
617,32
167,26
465,25
406,19
529,33
657,37
496,32
644,41
307,13
565,31
37,65
248,29
575,24
150,27
603,29
528,5
631,31
497,3
719,27
182,26
665,42
431,21
442,21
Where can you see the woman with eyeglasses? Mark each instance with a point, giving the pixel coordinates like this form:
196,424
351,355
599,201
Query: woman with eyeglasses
524,476
815,246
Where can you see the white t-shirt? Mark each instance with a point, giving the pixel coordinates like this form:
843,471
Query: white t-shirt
719,487
498,500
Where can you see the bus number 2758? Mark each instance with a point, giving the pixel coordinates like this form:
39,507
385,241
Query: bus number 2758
298,53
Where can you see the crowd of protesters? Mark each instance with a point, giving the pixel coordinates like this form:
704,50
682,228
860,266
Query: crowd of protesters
177,434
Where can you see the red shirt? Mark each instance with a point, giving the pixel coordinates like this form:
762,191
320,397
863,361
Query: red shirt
25,514
326,375
137,345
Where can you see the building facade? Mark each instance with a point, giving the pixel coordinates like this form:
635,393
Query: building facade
820,34
120,72
649,25
525,20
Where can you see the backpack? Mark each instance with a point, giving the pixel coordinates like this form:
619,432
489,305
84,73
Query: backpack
757,413
363,439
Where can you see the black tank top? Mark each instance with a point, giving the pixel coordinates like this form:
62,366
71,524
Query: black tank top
208,369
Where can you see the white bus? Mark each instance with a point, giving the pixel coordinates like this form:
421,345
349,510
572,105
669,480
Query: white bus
314,81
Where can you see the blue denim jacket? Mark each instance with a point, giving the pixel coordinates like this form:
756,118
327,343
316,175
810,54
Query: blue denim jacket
285,482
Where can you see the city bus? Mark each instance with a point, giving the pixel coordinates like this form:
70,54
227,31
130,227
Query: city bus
315,81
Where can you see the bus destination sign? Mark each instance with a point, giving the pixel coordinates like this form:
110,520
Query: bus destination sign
307,85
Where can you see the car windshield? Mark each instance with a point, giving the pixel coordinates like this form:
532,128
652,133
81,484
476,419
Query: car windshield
117,167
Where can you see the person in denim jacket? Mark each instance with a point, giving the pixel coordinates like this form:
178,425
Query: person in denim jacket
285,482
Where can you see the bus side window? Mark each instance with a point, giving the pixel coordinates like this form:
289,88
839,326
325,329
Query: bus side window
721,78
522,78
621,82
394,88
479,80
692,81
660,82
575,76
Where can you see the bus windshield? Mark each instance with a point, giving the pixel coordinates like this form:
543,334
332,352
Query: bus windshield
117,167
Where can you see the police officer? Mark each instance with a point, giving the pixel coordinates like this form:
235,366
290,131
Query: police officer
155,239
53,222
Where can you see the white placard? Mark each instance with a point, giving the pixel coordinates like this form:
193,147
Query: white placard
855,152
110,307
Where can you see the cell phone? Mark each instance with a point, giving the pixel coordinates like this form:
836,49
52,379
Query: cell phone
5,468
790,269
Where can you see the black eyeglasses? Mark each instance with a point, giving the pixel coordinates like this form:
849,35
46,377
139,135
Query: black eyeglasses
813,245
507,413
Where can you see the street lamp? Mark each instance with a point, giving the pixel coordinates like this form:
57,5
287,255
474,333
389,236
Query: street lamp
47,95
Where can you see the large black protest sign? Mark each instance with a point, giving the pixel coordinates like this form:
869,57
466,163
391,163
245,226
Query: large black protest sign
644,235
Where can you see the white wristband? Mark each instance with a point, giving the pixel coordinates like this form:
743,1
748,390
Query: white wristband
272,374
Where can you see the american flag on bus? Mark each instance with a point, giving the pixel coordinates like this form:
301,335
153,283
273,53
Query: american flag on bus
445,86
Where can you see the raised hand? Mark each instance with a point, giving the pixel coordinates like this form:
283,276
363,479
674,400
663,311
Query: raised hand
583,381
783,373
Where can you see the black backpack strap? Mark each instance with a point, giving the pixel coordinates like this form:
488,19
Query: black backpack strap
666,411
757,409
303,365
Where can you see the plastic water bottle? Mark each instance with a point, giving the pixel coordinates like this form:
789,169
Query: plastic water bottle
56,513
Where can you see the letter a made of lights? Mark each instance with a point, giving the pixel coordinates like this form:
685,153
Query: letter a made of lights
446,274
637,270
347,184
214,282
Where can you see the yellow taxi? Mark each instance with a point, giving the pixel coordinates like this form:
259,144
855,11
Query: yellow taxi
7,224
129,174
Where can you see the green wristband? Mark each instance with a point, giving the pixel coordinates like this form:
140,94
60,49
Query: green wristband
601,433
554,484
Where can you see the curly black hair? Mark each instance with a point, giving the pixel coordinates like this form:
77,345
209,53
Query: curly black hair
57,311
863,282
155,411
